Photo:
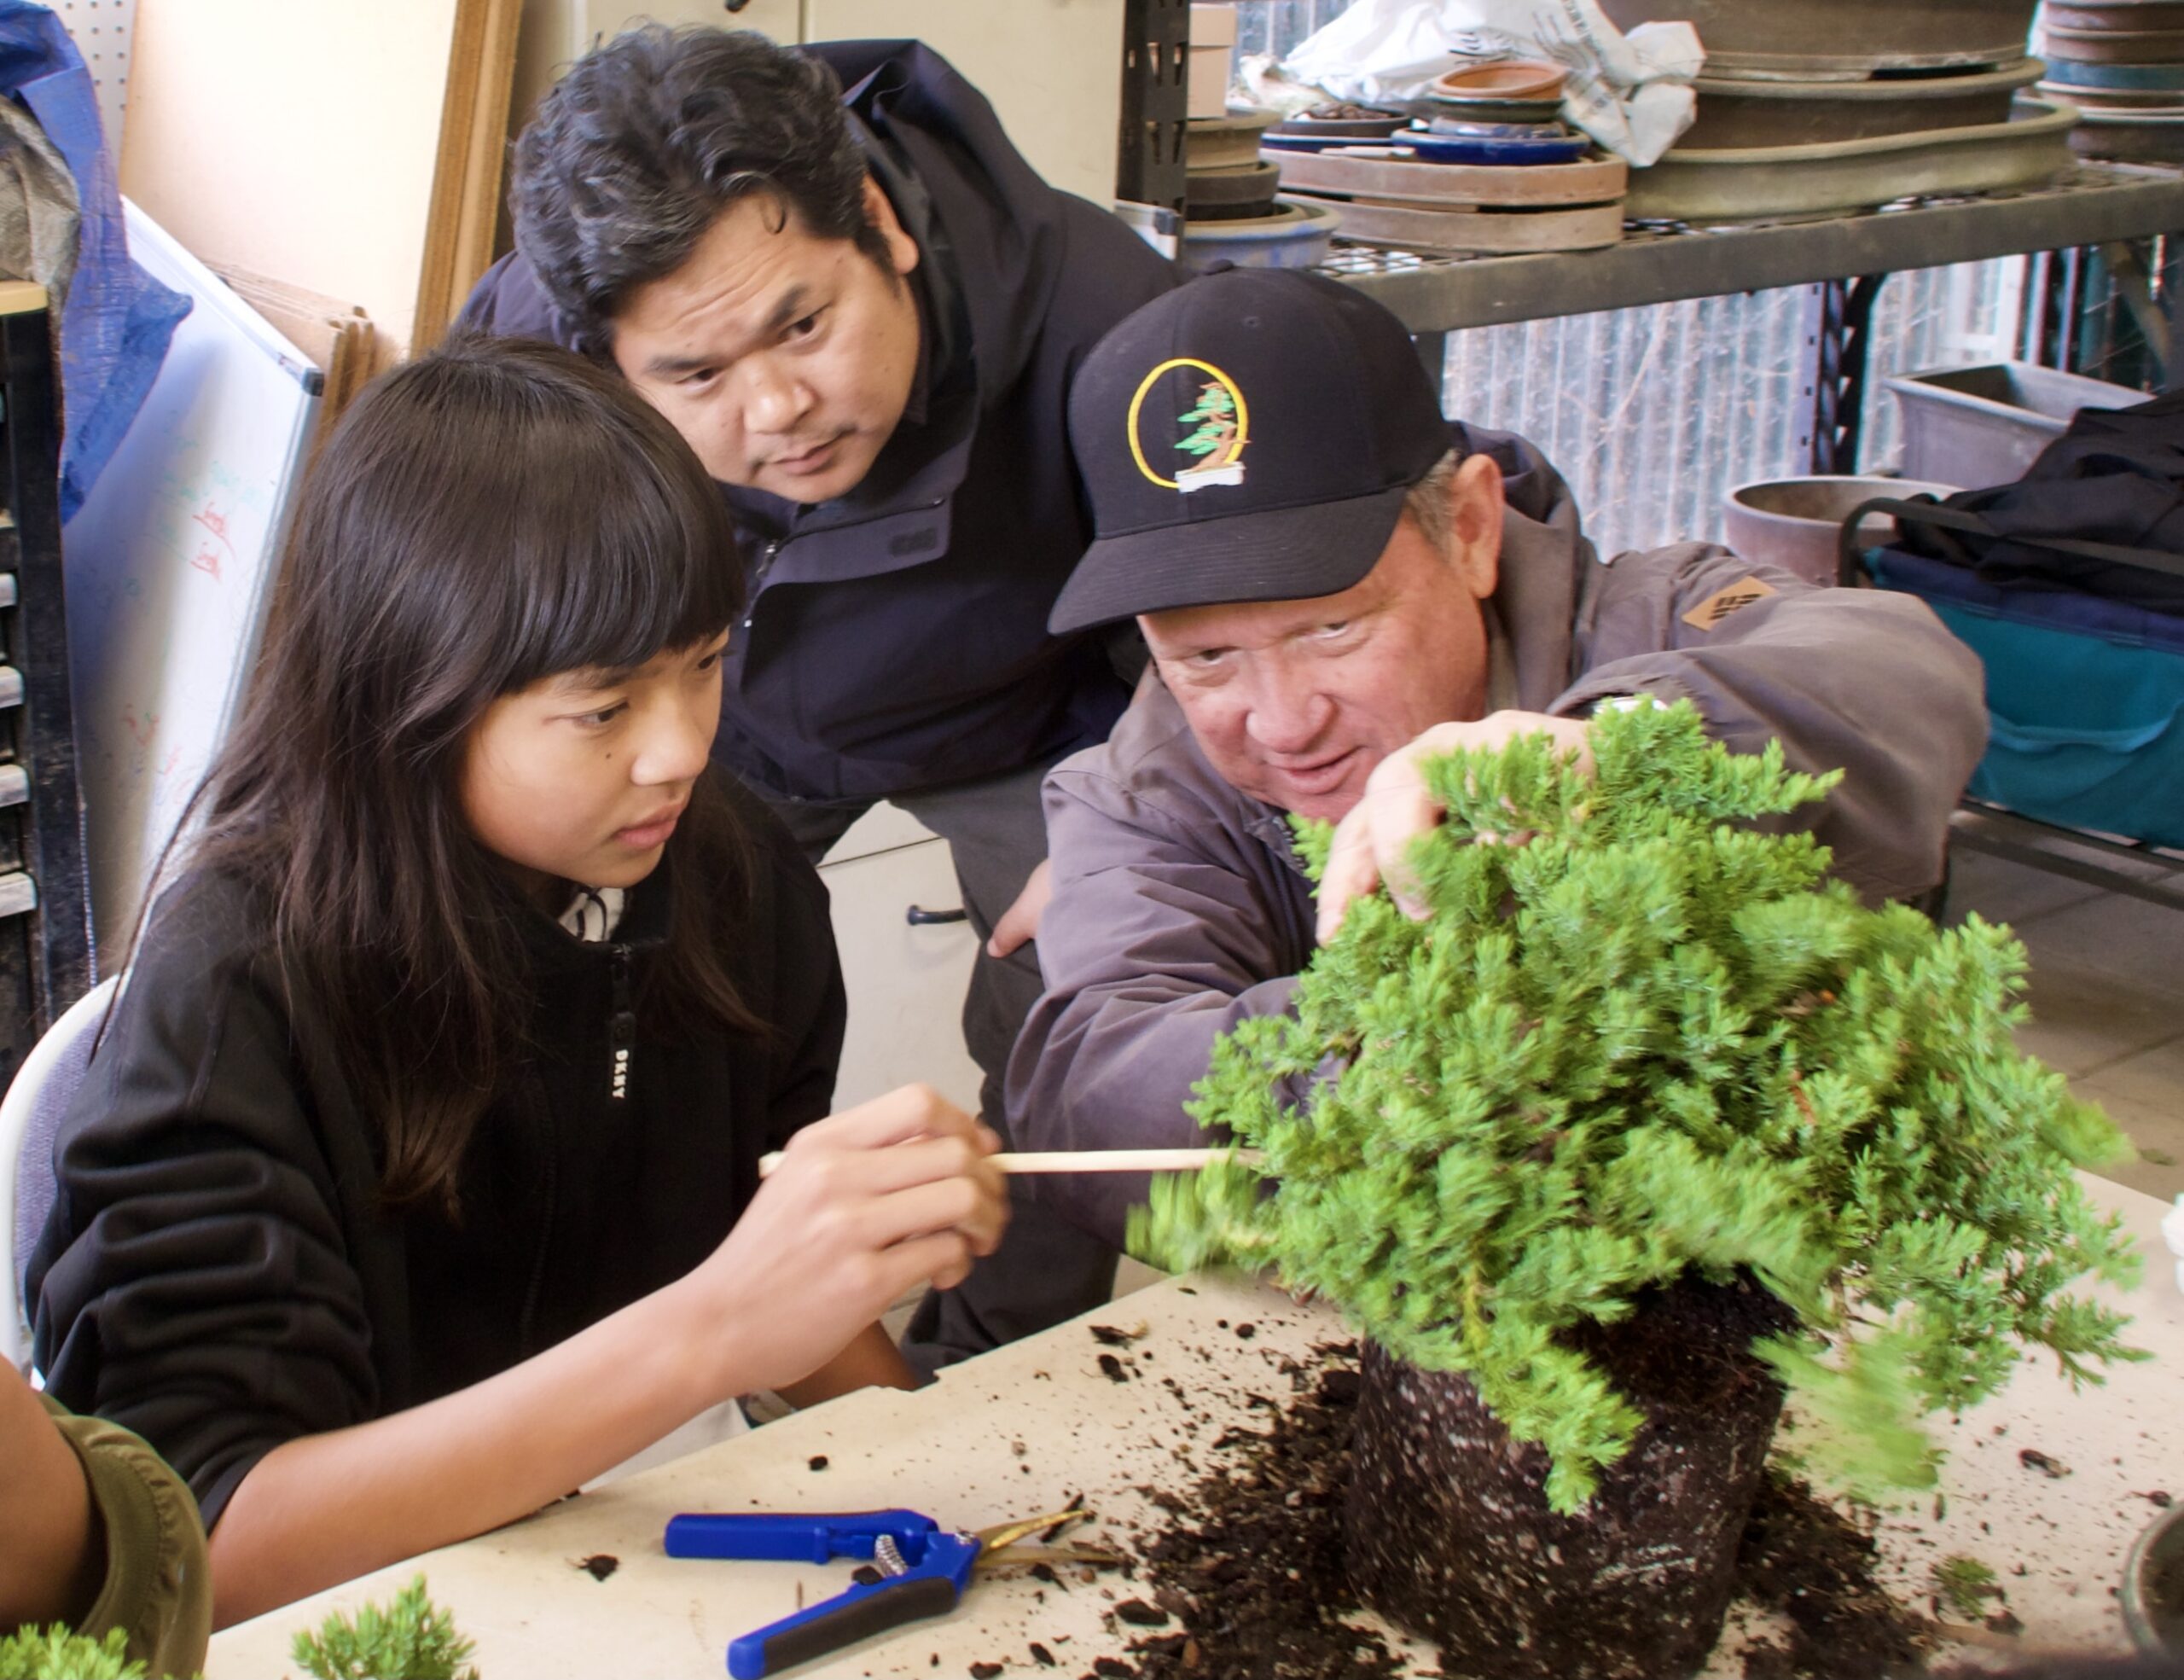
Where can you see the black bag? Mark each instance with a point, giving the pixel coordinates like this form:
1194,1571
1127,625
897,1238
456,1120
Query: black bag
2114,481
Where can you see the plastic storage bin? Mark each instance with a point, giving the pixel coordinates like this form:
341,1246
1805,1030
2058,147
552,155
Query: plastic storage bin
1984,426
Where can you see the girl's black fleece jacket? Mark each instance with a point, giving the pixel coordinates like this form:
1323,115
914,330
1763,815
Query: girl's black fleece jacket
219,1273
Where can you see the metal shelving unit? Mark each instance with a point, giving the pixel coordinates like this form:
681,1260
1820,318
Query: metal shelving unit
45,924
1845,259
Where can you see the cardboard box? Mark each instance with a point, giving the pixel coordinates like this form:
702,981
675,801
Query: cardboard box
1213,54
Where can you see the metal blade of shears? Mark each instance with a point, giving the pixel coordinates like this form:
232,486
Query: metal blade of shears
1007,1534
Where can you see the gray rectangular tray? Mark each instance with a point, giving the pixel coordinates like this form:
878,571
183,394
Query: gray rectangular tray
1753,183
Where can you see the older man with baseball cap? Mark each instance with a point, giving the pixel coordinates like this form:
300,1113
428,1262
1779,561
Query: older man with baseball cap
1336,581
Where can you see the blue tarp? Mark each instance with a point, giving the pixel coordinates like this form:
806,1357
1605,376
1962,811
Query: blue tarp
117,320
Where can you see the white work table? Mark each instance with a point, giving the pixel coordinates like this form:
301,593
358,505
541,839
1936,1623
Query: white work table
1021,1430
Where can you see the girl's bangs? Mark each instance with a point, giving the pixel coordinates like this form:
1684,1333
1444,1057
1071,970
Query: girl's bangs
614,547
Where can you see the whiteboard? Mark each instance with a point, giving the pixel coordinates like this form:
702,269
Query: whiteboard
169,568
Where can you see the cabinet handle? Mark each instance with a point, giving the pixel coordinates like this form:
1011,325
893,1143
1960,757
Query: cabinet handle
917,916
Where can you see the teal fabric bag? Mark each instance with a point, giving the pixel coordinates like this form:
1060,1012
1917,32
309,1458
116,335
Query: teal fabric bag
2085,700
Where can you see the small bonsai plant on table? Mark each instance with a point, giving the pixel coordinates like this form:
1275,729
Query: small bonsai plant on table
1644,1124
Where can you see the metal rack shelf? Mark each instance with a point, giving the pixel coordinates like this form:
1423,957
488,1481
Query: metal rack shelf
1845,258
2096,204
45,926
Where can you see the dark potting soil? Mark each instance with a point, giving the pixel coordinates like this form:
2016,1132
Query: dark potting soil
1251,1566
1254,1578
1449,1533
1815,1566
1684,1346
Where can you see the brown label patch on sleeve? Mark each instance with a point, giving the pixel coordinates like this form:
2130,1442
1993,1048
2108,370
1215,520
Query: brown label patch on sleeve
1719,605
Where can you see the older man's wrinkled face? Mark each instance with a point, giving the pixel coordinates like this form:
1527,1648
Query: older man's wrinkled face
1294,702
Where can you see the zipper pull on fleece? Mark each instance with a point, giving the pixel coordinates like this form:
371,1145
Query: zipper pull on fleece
621,1026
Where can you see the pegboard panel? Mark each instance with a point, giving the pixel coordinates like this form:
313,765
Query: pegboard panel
101,30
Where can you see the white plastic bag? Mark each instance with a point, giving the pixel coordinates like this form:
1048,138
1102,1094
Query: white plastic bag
1378,51
1631,93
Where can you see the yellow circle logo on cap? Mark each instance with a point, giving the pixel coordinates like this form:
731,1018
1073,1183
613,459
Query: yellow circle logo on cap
1223,426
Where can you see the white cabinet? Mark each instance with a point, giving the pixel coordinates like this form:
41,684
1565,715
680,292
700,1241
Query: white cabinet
905,984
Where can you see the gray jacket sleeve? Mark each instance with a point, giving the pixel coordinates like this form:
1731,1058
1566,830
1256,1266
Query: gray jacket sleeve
1161,935
1863,679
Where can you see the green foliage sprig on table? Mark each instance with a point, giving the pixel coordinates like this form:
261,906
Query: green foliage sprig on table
55,1653
411,1639
1647,1040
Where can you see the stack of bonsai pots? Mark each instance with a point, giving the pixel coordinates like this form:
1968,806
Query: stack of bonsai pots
1229,207
1491,168
1231,210
2121,62
1820,110
1224,179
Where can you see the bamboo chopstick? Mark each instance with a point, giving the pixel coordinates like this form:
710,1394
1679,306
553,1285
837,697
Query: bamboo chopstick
1094,1160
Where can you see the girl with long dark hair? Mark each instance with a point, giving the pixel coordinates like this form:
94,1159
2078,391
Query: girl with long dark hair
416,1179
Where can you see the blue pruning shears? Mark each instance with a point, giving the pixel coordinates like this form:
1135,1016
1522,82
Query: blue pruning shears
924,1569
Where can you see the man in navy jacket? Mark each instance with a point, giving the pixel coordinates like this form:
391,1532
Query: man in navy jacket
832,272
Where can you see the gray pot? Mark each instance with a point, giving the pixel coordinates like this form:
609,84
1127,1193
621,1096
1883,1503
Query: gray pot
1741,111
2153,1586
1797,524
1845,38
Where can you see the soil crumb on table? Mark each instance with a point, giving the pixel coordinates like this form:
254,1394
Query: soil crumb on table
1250,1567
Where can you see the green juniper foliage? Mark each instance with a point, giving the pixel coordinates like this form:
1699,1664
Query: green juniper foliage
55,1653
1645,1041
412,1639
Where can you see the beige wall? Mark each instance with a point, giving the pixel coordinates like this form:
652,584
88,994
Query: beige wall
294,139
1053,68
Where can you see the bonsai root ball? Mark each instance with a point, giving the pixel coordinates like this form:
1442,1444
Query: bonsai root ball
1450,1534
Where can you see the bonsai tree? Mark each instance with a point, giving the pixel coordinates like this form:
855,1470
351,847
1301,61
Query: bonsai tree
1644,1123
412,1637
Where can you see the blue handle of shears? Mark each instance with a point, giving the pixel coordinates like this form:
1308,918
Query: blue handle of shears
938,1569
842,1620
801,1538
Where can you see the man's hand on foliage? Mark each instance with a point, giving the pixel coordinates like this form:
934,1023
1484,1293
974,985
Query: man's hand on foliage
1373,842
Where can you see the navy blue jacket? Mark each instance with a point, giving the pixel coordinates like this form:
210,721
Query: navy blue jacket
897,636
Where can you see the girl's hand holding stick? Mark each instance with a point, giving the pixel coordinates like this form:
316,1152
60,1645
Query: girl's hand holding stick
861,1208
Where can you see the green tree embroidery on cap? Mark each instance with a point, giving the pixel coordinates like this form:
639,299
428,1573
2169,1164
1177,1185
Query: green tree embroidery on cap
1215,415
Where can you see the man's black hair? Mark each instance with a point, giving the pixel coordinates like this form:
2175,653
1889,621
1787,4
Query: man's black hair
635,153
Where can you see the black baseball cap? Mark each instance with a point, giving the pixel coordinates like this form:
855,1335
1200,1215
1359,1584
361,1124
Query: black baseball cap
1249,436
